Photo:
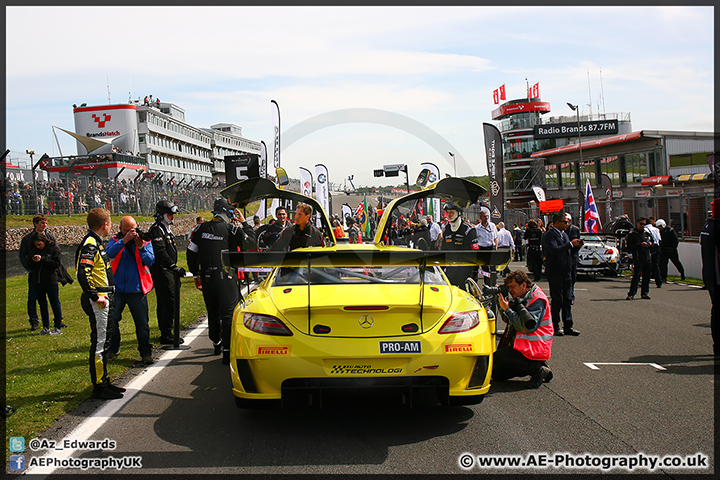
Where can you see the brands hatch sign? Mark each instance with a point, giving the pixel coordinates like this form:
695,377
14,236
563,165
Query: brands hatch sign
557,130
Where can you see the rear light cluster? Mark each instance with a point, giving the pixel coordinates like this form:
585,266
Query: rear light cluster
461,322
266,324
608,251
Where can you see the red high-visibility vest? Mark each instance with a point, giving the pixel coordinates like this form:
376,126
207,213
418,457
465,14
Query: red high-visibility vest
146,283
537,345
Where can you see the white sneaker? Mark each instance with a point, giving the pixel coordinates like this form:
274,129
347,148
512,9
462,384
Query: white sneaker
56,331
44,331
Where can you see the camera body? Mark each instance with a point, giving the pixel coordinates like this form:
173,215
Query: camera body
143,235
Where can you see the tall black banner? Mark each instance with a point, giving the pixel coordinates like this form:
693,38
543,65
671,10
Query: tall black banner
494,155
241,167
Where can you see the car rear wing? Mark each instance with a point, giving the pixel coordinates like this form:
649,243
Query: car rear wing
324,257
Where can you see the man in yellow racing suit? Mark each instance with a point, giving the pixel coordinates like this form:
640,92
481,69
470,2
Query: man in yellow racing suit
94,273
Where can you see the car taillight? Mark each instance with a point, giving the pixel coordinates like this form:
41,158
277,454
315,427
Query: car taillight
608,251
266,324
460,322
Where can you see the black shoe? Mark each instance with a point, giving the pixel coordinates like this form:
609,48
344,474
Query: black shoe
147,359
102,392
217,348
111,355
171,341
572,332
34,326
114,388
629,297
63,325
226,357
645,297
659,285
540,377
558,332
682,276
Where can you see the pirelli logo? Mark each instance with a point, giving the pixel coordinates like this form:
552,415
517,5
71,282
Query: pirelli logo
274,350
459,348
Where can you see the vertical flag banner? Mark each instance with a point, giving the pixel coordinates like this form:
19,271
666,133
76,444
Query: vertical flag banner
263,160
346,212
365,220
262,209
502,92
434,207
496,98
494,156
306,182
322,188
592,218
276,133
536,90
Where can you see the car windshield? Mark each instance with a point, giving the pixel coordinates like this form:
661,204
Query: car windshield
594,239
356,276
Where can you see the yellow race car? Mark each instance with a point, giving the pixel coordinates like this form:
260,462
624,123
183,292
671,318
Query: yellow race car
359,316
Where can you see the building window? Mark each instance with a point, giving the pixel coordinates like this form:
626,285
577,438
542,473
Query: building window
688,159
551,176
567,175
610,166
636,167
587,172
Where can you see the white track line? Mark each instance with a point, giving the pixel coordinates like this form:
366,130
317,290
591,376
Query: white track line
87,429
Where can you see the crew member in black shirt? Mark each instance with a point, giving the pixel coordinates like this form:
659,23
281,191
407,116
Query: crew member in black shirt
165,268
219,288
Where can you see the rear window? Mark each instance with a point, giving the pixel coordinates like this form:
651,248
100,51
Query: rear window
356,276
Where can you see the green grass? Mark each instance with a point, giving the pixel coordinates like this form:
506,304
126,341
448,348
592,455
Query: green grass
48,376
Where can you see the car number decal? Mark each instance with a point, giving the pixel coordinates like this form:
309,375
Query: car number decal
400,346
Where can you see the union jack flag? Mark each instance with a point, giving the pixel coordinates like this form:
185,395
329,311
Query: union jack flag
592,219
359,208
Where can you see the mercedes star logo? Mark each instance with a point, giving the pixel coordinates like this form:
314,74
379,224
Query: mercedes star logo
366,321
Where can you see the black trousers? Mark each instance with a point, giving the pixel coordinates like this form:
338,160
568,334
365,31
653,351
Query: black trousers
561,301
164,284
640,269
509,363
655,256
220,292
672,255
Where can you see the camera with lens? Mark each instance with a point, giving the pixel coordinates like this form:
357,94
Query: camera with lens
143,235
492,291
518,306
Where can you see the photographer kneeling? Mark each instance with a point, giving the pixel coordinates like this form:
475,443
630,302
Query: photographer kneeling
528,312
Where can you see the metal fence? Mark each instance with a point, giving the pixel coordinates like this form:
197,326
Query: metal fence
83,194
686,213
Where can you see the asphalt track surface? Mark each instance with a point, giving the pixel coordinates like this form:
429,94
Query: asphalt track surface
648,391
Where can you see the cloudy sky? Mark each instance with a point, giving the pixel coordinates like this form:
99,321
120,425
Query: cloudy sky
431,67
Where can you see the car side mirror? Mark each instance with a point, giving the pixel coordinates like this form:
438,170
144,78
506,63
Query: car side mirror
282,177
422,178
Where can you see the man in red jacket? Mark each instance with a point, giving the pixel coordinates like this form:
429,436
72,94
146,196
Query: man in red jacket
528,313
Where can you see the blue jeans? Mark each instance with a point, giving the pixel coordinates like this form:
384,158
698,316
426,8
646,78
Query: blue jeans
32,302
49,293
139,311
